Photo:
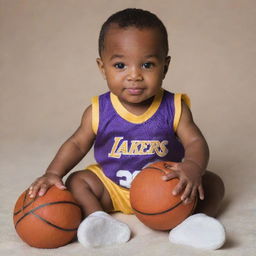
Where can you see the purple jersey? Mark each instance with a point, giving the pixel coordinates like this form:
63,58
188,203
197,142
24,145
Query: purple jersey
125,142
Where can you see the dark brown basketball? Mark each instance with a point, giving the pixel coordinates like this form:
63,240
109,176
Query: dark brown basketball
49,221
152,200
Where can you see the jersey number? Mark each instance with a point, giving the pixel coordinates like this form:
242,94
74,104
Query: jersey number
127,177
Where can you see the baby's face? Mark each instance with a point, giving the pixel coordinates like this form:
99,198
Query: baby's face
133,62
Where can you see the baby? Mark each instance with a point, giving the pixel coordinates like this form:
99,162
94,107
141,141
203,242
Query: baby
137,122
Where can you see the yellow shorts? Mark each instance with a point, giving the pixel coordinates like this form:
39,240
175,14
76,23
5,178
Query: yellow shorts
120,196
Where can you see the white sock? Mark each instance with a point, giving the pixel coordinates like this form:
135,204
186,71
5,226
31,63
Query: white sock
200,231
100,229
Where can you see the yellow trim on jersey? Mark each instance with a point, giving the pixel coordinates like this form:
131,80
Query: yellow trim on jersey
95,114
128,116
178,97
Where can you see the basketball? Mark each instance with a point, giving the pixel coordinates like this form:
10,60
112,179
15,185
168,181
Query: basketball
48,221
152,200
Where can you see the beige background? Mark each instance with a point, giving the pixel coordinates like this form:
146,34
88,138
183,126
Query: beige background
48,75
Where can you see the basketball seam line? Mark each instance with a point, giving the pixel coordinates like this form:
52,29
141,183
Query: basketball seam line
53,225
41,206
155,168
25,206
157,213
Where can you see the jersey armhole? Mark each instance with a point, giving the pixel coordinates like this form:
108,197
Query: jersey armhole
178,97
95,114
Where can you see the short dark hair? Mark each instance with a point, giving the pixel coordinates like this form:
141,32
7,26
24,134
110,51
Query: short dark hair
137,18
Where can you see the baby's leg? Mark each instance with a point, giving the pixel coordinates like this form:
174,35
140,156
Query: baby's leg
214,192
98,228
89,192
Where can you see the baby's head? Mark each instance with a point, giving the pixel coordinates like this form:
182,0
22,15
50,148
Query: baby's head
133,49
136,18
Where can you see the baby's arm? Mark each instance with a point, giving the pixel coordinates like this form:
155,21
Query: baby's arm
191,170
69,154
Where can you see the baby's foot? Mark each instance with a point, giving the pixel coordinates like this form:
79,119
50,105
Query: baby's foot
200,231
100,229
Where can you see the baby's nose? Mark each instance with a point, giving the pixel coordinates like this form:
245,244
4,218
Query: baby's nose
135,74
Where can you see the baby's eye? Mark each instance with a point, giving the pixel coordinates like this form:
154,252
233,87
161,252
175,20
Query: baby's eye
119,65
147,65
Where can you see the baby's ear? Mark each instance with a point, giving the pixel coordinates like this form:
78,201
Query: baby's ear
166,65
101,67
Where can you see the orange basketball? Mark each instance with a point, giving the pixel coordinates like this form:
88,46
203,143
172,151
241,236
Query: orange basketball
152,200
49,221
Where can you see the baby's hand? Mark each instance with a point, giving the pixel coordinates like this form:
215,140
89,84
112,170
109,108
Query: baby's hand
41,184
190,180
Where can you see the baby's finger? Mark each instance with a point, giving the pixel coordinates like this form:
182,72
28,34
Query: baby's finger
60,185
33,190
201,192
43,189
169,176
171,166
187,201
30,189
192,195
187,192
179,187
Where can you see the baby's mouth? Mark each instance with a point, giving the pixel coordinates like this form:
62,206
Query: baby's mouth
135,91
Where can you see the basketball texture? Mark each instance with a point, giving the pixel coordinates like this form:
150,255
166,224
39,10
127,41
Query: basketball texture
152,200
49,221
